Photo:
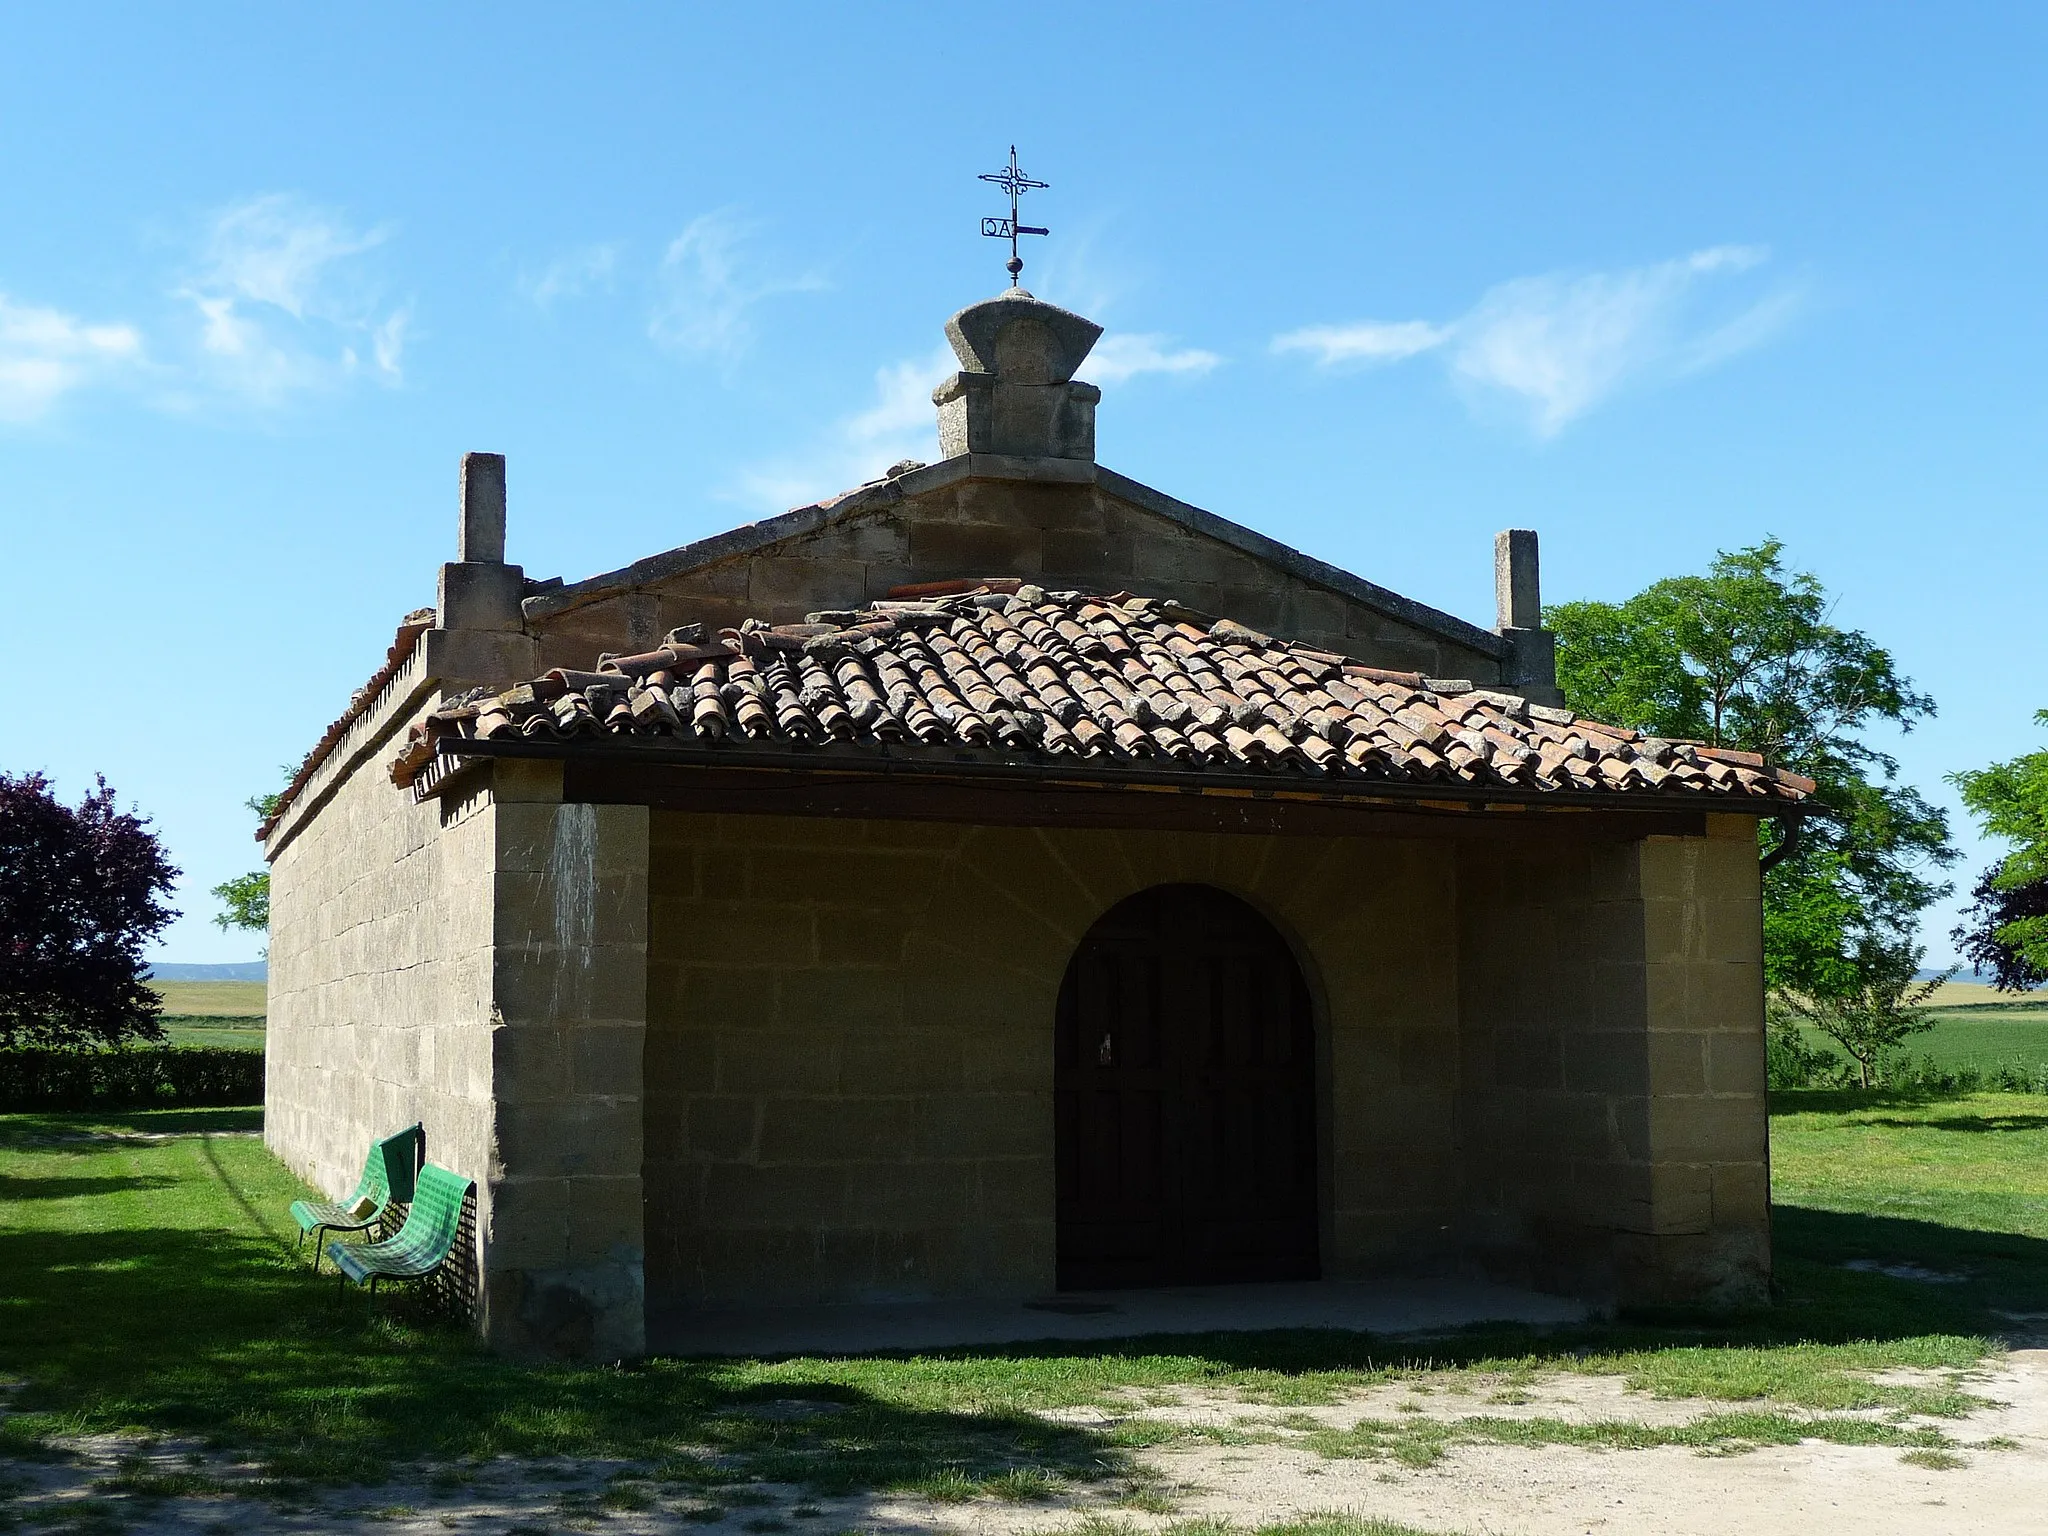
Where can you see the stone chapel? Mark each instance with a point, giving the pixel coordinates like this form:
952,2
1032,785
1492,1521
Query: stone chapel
1005,879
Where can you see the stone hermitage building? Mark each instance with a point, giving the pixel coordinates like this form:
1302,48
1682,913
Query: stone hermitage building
1005,878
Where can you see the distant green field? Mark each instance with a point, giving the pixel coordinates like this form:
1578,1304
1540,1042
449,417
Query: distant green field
226,1013
1986,1034
1975,1026
212,998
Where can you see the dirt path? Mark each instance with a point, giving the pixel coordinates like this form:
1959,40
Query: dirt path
1811,1489
1253,1469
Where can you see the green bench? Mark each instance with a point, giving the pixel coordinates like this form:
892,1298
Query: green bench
387,1178
421,1244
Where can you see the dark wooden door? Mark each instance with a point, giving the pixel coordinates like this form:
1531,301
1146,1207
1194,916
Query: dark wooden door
1184,1078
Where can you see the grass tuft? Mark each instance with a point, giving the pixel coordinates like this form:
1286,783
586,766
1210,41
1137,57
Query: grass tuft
1938,1461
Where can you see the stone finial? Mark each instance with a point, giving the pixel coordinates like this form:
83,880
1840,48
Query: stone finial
1530,667
1016,393
478,590
1022,339
481,535
1517,589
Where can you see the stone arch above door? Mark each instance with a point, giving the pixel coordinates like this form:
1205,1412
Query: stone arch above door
1185,1098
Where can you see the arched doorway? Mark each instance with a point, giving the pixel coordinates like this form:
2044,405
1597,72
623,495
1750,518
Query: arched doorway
1184,1077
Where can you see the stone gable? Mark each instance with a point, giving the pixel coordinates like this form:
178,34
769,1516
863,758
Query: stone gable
1093,531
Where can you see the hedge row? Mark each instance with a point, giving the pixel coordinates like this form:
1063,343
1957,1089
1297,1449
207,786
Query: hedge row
133,1077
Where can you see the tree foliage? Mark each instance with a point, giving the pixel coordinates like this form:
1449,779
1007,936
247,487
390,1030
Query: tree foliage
245,899
81,893
1747,657
1993,935
2006,923
1874,1015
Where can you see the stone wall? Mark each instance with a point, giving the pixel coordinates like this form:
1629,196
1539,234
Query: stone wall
849,1052
380,978
1613,1063
477,964
1057,534
1545,1057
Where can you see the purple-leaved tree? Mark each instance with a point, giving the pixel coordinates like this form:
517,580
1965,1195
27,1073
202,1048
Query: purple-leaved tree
81,891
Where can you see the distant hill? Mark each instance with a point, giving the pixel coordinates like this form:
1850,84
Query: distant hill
248,970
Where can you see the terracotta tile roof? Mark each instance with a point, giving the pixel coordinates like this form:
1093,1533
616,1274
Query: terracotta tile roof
1010,673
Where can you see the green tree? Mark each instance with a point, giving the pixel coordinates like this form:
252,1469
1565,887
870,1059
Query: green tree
246,898
1747,657
2010,931
81,894
1874,1015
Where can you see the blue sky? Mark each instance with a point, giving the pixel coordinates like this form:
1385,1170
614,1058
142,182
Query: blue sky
1654,281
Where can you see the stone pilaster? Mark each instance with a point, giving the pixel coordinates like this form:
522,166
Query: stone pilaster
1612,1082
564,1247
1708,1232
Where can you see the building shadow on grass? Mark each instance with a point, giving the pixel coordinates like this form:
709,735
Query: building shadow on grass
1973,1124
66,1188
211,1335
1980,1275
90,1131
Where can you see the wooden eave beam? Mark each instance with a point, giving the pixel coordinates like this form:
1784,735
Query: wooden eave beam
928,785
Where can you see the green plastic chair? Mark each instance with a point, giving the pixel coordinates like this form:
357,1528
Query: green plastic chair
422,1244
387,1179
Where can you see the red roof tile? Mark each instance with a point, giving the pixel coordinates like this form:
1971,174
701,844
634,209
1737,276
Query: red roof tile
1029,677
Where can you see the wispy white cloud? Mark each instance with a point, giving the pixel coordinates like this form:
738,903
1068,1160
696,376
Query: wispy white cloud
281,250
899,423
45,354
710,282
1556,346
587,269
1123,355
276,298
387,343
284,305
1367,341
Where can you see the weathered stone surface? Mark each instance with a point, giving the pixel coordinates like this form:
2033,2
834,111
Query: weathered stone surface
480,968
480,536
1635,969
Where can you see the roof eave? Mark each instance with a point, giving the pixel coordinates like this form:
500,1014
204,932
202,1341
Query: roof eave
951,763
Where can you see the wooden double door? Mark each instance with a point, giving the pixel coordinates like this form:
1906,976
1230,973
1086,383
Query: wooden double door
1185,1089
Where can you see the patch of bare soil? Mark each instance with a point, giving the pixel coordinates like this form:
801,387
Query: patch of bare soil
1227,1459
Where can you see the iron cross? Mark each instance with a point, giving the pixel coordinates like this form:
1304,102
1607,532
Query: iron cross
1016,183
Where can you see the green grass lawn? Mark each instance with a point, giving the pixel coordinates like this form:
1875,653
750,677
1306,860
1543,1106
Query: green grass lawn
148,1283
1957,1186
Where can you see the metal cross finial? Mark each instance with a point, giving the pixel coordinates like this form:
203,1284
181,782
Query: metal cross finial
1016,183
